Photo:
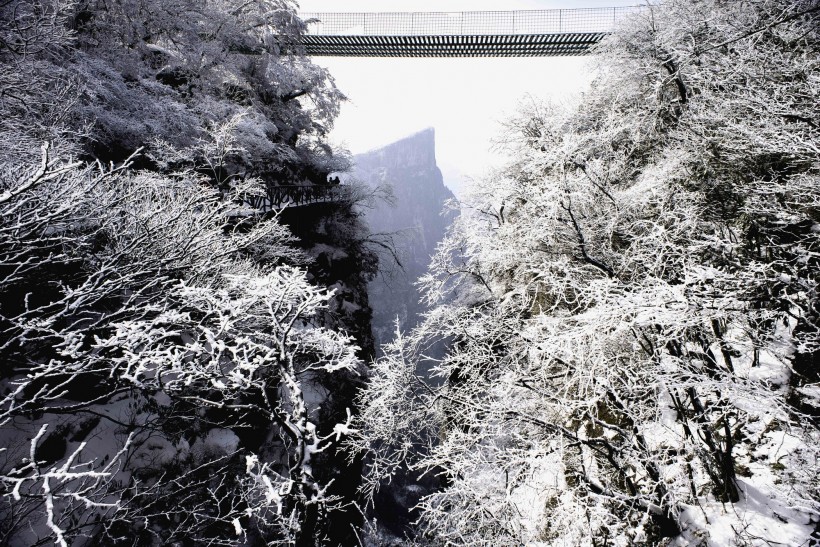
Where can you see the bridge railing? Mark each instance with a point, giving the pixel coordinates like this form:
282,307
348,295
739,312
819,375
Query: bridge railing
555,21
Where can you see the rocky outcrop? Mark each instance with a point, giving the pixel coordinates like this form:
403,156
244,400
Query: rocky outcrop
417,221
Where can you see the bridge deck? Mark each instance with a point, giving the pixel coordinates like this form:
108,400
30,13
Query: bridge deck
522,45
459,34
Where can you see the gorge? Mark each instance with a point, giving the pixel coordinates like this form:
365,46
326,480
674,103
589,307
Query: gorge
219,327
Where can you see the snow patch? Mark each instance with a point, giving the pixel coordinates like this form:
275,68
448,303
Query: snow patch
756,519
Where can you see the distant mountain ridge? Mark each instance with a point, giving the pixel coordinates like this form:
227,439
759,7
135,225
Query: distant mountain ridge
418,221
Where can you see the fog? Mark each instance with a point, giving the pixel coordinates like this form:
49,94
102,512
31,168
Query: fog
465,99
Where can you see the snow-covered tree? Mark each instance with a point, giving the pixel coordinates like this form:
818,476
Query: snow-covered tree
169,70
134,329
632,304
161,348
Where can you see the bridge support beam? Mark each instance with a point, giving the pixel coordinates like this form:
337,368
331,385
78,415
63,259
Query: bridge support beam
513,45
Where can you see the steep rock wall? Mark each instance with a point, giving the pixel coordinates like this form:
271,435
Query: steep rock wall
417,219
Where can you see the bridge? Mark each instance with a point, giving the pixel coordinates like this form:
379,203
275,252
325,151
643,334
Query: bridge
459,34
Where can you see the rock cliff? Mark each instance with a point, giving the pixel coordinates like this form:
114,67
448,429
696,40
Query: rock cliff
417,219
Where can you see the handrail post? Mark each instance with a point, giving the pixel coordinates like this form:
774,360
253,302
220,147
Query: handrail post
560,21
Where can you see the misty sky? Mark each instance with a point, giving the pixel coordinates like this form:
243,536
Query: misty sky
464,99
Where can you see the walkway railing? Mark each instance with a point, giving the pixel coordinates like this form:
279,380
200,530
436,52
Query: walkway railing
467,23
277,196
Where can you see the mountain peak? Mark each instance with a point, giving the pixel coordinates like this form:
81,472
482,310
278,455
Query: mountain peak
417,150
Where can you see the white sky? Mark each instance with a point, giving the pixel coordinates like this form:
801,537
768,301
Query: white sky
464,99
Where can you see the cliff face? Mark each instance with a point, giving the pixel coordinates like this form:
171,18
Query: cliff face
416,220
330,234
414,224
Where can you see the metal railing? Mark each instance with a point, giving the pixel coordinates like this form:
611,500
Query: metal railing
466,23
276,196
